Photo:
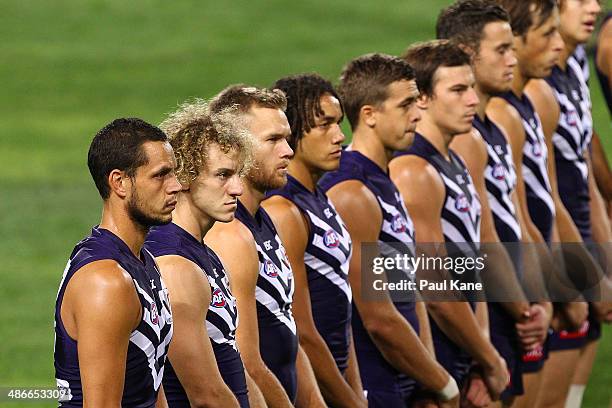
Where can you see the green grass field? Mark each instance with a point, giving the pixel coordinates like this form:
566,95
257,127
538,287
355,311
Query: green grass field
71,66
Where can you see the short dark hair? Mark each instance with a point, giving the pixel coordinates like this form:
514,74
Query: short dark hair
522,13
464,21
427,57
303,92
118,145
243,97
365,81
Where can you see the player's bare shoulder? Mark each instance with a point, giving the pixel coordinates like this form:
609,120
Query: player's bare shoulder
499,109
100,285
239,233
105,275
233,241
504,115
544,102
413,173
470,144
283,212
352,198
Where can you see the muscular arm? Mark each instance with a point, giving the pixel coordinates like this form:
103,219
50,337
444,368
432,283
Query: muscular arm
500,271
601,166
293,231
600,224
243,273
604,52
102,338
456,319
565,231
308,393
424,327
601,169
191,352
391,333
602,235
161,398
546,105
509,120
352,370
256,398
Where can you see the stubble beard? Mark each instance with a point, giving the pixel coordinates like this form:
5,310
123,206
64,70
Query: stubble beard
143,220
264,181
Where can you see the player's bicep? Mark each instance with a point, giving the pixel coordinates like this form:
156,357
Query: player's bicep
240,260
547,107
188,288
106,309
290,226
604,51
355,203
189,291
293,232
473,151
247,332
423,192
509,122
545,104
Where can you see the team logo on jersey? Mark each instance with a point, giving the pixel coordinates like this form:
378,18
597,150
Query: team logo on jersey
536,149
218,298
499,171
499,150
270,269
462,203
330,239
328,213
398,224
154,313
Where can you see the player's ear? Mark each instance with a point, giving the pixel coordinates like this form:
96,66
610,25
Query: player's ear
468,50
367,115
118,182
422,101
185,186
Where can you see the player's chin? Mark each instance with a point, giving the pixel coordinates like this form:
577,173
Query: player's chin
278,181
329,165
544,74
163,219
225,217
463,129
546,71
583,37
406,141
503,85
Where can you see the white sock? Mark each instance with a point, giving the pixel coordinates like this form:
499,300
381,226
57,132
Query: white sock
574,396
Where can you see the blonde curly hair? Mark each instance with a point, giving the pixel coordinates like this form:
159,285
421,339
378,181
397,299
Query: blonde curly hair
192,128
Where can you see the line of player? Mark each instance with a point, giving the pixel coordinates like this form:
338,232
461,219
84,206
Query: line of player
480,137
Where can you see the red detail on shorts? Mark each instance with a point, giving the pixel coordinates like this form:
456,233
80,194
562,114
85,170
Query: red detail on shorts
534,355
582,332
